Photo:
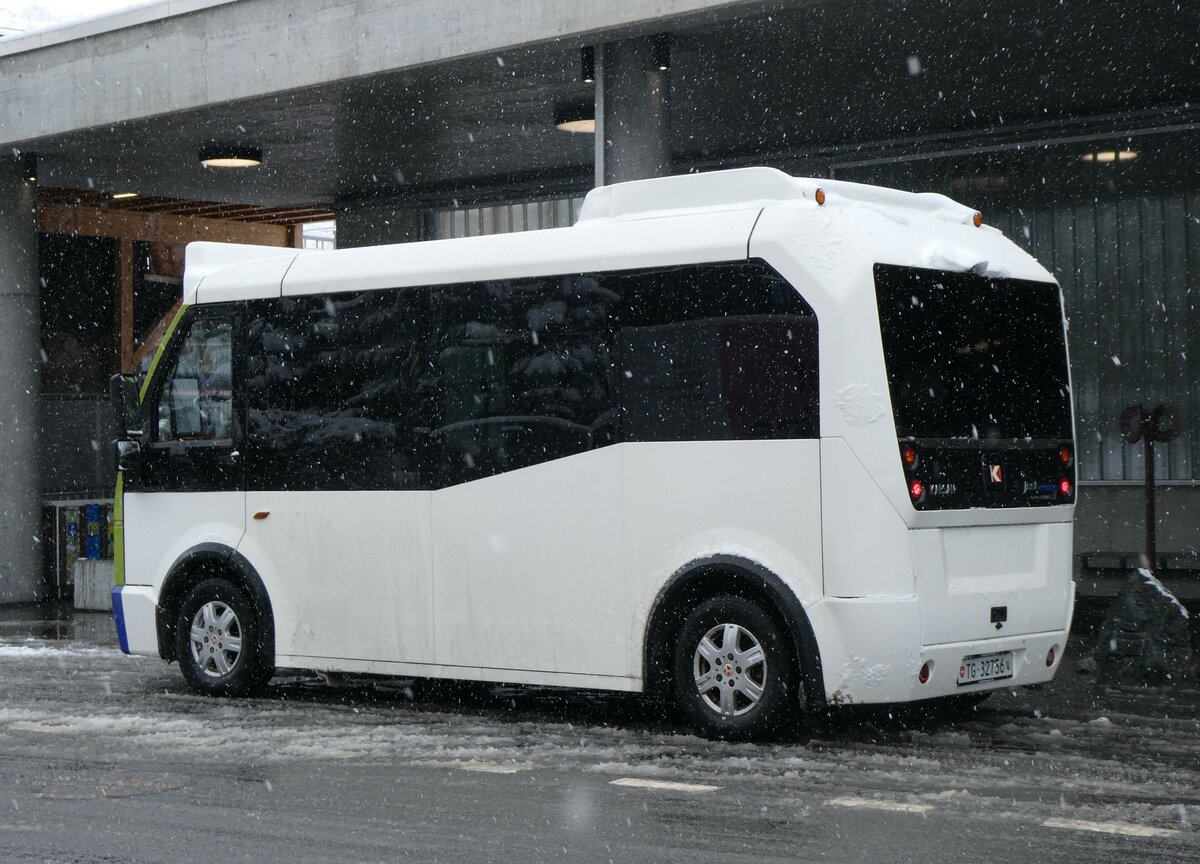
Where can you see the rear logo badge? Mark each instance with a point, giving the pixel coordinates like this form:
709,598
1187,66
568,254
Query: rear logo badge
995,474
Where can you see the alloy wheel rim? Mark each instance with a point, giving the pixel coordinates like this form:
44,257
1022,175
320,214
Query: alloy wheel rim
216,639
730,670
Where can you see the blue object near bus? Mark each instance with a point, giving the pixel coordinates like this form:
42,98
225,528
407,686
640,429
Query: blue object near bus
92,516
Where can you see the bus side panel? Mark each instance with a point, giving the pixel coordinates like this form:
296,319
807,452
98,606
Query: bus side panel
161,526
691,500
528,569
866,542
349,573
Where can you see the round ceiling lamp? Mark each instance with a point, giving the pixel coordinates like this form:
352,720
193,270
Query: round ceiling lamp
575,116
230,156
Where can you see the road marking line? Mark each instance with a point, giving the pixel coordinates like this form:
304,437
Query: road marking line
876,804
641,783
492,767
1127,828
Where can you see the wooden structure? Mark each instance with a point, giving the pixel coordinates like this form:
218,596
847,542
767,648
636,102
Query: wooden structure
167,225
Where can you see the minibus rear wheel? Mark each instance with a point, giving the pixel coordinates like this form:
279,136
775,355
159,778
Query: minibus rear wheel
734,674
218,641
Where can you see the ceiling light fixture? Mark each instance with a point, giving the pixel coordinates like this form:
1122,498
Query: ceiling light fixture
29,166
661,52
587,62
230,156
578,116
1106,156
120,196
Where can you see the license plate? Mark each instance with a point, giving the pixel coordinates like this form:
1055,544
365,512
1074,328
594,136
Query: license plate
985,667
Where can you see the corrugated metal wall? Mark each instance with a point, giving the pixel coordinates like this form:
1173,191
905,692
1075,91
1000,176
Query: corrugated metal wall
1130,271
503,218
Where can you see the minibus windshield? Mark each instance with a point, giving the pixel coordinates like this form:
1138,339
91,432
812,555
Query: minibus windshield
971,357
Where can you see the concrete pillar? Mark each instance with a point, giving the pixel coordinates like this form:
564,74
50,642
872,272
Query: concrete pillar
376,224
20,492
633,128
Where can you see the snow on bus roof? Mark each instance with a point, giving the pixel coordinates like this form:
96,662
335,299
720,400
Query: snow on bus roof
643,226
757,187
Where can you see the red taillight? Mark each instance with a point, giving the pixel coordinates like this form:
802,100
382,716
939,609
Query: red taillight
1064,456
1064,486
916,489
910,457
923,675
1050,658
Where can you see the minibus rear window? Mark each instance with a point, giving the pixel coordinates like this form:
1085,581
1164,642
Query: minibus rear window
970,357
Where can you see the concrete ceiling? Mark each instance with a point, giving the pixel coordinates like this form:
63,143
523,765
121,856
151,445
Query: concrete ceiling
762,83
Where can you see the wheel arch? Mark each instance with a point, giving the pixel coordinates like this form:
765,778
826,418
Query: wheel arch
192,567
727,574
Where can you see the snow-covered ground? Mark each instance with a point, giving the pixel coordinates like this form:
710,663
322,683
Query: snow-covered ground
1075,758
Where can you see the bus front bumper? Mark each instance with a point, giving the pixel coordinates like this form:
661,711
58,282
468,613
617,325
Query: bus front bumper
134,612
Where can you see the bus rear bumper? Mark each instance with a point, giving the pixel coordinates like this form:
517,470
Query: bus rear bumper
134,612
871,654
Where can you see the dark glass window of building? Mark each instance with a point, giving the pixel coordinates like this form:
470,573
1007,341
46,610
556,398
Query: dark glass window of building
522,373
335,386
715,352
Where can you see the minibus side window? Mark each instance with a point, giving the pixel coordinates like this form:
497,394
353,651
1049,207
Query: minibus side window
523,374
715,352
196,401
334,391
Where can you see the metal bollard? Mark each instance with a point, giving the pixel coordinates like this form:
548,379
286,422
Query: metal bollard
1160,423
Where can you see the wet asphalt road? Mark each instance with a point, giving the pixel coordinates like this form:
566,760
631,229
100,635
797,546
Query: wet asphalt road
107,758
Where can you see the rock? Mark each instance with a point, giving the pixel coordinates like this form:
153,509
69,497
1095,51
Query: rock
1144,637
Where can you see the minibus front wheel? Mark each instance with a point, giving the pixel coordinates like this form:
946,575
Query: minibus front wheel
218,641
734,674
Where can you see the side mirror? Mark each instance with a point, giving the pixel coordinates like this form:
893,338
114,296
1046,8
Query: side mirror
123,393
128,454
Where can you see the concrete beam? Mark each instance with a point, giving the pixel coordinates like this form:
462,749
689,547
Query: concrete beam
254,48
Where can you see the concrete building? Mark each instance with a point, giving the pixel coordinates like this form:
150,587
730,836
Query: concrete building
1073,126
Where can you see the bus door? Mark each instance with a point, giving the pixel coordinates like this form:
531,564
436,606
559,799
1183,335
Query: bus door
187,488
339,525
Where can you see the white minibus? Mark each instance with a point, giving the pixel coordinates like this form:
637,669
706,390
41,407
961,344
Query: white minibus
761,443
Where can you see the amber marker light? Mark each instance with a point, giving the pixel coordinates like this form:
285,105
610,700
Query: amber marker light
977,219
820,196
910,457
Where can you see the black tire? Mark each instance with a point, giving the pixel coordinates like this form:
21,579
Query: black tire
214,668
729,710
